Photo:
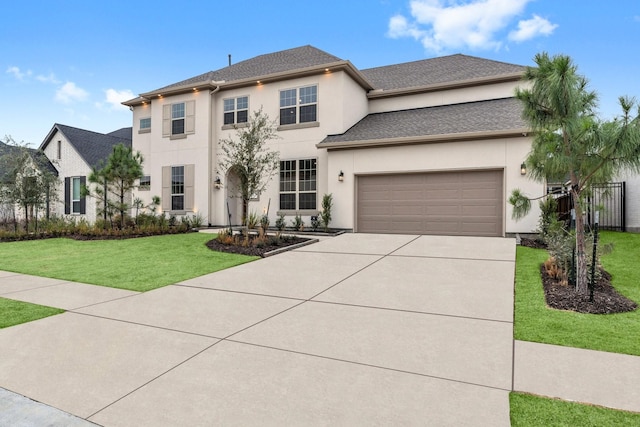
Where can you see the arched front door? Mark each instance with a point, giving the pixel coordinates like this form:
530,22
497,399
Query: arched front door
233,199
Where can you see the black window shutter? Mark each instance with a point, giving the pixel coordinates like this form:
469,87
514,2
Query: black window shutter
67,196
83,200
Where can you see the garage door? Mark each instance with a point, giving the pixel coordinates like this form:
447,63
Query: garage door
466,203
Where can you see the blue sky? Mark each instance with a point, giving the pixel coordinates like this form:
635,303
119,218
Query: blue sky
74,61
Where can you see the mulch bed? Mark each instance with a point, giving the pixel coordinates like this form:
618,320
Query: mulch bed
252,250
606,300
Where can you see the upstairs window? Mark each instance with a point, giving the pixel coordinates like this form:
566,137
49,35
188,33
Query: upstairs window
145,125
145,183
236,110
298,105
178,120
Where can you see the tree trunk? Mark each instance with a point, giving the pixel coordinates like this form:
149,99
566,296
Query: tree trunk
245,209
581,260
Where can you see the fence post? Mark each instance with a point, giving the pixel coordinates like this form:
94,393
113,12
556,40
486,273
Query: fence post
592,284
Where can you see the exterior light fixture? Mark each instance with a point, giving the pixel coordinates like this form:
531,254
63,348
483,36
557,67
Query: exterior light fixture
341,176
217,183
523,169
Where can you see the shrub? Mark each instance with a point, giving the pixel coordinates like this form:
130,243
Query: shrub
280,222
297,223
252,220
325,215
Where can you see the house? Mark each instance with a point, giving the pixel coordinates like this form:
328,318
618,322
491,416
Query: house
74,152
433,146
30,163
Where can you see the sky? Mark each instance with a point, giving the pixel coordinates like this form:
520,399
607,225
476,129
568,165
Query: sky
74,61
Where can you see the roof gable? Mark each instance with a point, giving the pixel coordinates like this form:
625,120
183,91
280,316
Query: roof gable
263,65
93,147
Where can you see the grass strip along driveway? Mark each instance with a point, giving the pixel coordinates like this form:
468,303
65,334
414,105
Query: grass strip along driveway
139,264
534,321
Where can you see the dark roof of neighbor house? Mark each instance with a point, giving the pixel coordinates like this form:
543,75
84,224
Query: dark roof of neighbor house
38,156
93,147
444,69
482,116
263,65
124,133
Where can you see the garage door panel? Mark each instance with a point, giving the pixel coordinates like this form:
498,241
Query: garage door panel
451,203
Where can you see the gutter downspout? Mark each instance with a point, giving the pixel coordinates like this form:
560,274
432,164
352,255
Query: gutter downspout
212,140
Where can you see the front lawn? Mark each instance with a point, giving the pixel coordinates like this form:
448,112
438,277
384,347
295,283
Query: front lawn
605,332
139,264
533,411
17,312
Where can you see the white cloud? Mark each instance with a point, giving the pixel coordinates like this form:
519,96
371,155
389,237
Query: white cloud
51,78
454,24
115,97
69,92
17,73
531,28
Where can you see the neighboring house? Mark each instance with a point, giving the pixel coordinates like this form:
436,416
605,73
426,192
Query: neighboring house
74,152
38,162
432,146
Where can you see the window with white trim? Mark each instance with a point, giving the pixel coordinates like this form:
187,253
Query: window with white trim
299,105
145,124
236,110
178,119
177,188
298,184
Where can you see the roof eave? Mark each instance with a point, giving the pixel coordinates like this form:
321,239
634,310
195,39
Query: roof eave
425,139
480,81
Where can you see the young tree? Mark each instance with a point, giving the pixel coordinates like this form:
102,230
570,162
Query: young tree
570,141
248,156
117,178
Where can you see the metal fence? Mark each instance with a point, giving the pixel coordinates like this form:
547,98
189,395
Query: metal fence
608,199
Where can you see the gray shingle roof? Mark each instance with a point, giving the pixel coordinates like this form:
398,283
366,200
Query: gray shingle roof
482,116
124,133
263,65
443,69
93,147
38,156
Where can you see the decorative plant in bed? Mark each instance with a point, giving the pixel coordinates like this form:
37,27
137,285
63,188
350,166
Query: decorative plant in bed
255,244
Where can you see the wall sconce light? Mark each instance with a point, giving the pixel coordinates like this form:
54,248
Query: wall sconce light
341,176
217,183
523,169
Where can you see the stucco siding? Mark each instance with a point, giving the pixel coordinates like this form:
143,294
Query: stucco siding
506,154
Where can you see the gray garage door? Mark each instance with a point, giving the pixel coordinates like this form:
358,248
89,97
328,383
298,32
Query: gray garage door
466,203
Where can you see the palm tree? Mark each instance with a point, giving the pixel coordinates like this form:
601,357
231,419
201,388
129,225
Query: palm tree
570,141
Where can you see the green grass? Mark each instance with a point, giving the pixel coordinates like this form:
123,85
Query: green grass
138,264
17,312
533,411
605,332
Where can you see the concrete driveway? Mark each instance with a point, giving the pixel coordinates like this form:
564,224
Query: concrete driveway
354,330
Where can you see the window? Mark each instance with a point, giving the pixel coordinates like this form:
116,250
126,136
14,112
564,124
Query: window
145,183
145,125
178,119
59,150
298,184
298,105
75,195
177,188
236,110
74,203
